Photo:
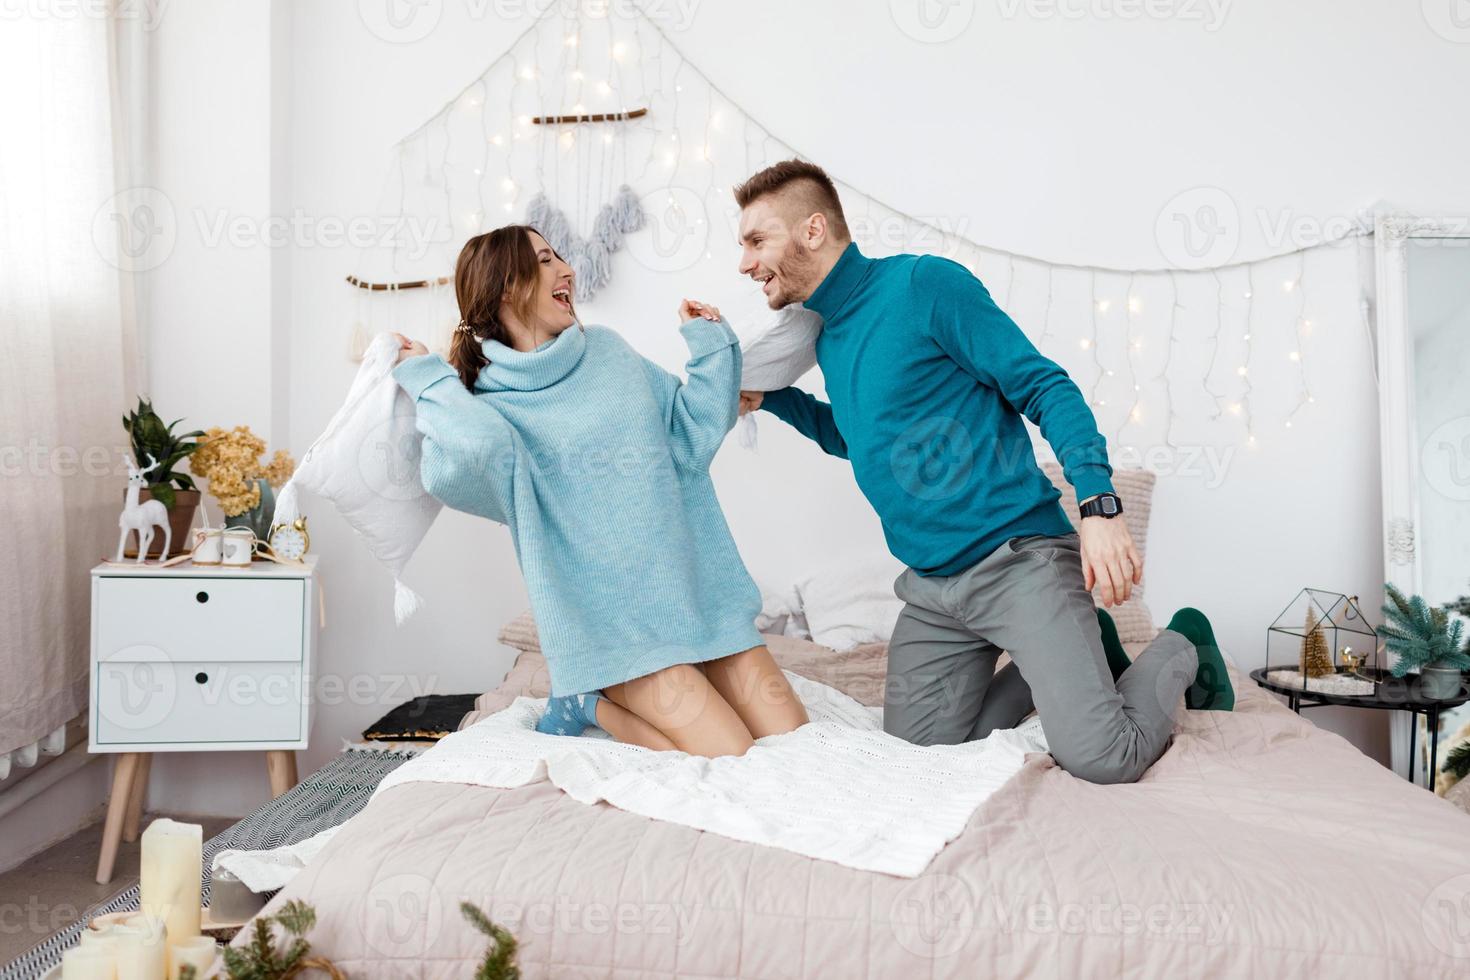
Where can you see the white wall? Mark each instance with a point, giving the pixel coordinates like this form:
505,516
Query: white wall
1070,138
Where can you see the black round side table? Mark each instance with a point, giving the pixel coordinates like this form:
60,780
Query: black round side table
1393,694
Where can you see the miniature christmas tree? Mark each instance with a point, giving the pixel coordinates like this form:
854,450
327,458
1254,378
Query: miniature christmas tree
1316,661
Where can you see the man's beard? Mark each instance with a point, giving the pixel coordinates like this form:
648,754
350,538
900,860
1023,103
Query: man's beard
794,277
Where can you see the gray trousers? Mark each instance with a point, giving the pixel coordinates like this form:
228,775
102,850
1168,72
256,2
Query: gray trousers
1027,598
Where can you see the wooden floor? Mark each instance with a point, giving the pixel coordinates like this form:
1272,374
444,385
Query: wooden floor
57,886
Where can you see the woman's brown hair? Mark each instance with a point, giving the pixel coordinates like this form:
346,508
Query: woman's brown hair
498,266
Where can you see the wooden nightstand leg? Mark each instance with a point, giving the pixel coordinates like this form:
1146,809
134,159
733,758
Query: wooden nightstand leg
136,798
122,787
281,766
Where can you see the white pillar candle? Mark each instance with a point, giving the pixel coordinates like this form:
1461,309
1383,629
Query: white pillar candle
101,938
199,952
88,962
168,879
142,953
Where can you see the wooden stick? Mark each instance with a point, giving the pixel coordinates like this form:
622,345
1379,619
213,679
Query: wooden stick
589,117
381,286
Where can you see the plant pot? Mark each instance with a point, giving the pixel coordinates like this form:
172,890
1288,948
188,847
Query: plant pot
180,520
258,518
1436,680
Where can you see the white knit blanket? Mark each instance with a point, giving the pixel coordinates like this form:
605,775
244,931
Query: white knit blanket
839,788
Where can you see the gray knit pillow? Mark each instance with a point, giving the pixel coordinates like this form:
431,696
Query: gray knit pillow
1136,488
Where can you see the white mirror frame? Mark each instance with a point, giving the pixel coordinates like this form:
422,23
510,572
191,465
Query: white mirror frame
1397,432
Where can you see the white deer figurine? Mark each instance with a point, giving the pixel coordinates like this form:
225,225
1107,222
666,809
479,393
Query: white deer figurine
142,517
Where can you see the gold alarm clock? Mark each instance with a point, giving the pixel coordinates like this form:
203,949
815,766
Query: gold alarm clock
290,541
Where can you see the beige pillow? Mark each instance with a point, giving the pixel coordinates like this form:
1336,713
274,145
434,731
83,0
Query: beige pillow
1136,489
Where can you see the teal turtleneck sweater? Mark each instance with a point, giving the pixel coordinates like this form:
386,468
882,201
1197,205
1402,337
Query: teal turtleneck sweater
928,382
598,461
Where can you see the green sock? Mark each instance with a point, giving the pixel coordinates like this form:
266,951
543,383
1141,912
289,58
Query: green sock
1211,690
1117,657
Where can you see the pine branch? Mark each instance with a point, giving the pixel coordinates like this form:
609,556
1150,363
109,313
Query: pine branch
499,962
1457,763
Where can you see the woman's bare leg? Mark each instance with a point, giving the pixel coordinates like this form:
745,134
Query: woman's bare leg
680,702
752,684
627,727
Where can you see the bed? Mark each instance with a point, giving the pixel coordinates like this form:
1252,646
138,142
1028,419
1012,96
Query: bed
1258,845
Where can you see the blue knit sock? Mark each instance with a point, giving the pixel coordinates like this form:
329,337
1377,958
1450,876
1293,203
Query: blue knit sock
569,715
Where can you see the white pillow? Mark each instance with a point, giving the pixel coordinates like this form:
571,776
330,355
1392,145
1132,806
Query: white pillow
780,350
781,613
851,602
367,464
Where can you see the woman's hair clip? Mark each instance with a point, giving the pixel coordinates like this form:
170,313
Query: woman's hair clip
462,328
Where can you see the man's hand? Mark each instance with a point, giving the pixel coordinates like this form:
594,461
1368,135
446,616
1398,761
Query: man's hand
689,309
751,400
1109,558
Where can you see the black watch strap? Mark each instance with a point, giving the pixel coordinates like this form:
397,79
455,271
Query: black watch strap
1103,505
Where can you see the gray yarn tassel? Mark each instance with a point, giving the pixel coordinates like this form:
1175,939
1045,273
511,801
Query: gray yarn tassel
591,258
627,211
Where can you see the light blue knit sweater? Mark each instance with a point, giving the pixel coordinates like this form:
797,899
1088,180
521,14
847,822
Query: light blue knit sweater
598,461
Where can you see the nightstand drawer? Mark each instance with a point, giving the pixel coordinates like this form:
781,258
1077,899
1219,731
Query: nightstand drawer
196,619
202,702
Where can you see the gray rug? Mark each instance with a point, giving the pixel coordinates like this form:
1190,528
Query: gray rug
324,799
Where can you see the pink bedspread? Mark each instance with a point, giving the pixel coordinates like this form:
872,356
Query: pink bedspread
1259,846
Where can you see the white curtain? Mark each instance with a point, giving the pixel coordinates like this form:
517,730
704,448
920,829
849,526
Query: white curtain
70,363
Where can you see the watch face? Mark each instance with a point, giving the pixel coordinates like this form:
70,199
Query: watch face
1109,505
288,542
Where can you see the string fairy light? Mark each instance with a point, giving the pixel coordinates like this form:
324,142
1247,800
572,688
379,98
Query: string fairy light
642,64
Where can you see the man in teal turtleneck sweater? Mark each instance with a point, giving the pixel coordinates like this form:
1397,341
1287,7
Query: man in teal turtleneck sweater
929,381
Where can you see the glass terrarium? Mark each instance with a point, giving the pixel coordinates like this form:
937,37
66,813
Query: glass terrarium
1322,643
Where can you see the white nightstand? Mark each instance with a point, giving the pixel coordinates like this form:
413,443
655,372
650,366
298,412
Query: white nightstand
198,659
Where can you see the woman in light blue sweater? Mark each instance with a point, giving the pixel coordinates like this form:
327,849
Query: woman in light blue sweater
598,462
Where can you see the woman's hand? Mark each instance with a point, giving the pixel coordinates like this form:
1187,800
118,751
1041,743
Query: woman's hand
408,348
750,401
689,309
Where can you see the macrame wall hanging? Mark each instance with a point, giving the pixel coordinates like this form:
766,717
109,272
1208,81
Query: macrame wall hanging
597,129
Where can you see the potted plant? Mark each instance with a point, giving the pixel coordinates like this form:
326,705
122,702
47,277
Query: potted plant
243,485
1426,638
176,491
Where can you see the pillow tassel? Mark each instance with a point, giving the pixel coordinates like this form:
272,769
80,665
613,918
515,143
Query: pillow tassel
406,601
286,506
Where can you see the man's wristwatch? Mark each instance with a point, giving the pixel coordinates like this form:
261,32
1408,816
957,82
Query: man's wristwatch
1103,505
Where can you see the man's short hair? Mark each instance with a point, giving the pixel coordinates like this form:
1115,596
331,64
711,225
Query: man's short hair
817,193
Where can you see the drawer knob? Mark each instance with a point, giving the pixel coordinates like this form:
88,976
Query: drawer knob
201,596
201,678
